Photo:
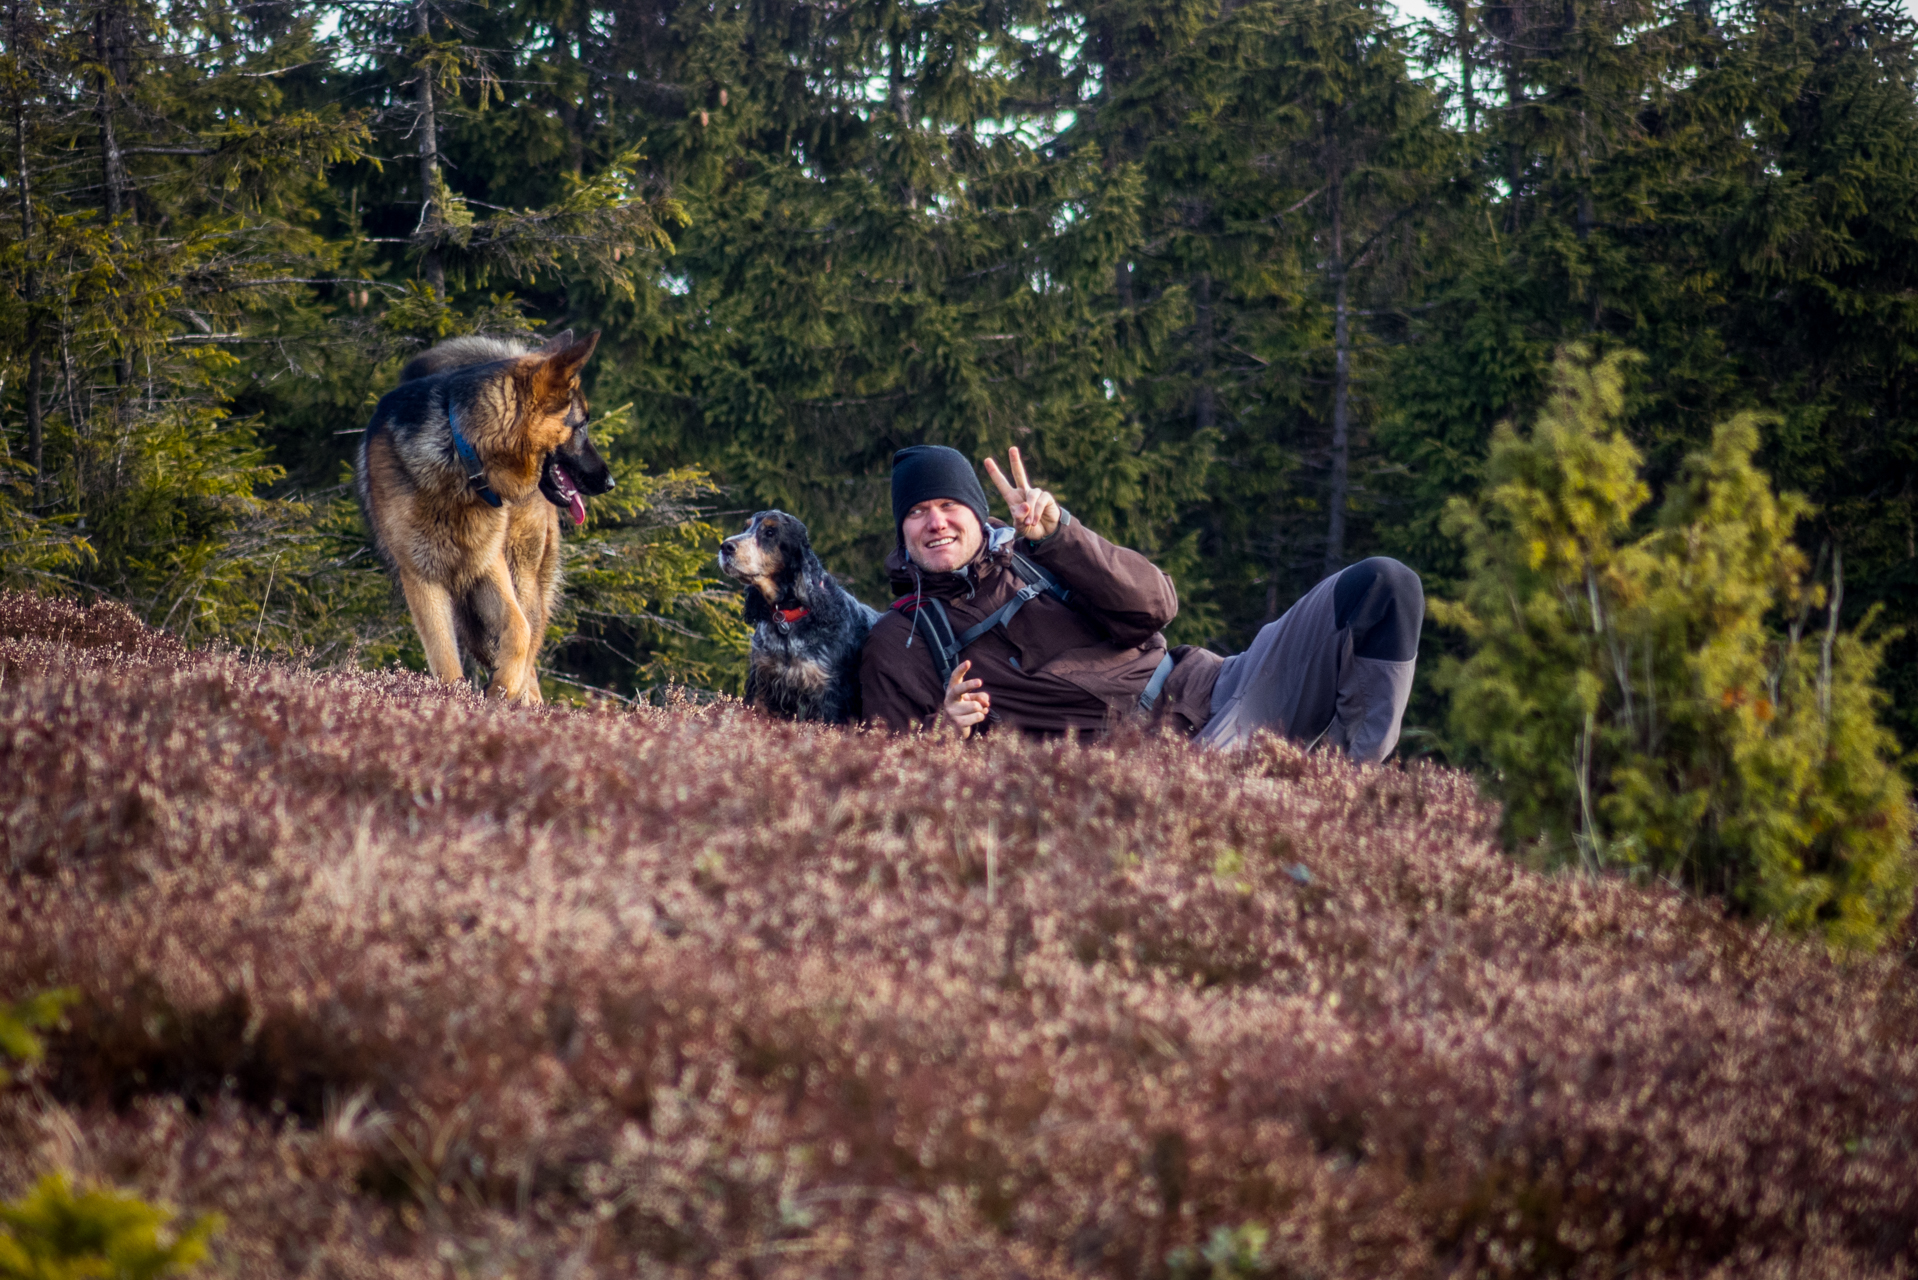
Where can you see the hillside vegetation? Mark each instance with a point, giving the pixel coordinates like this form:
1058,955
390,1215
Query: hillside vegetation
403,984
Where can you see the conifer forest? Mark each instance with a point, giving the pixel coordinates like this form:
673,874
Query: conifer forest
1259,287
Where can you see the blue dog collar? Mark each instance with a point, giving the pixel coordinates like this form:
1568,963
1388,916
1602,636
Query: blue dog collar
470,459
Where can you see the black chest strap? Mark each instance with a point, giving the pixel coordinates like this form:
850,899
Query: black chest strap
929,614
1003,614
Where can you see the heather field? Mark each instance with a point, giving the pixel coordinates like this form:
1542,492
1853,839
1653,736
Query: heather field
403,984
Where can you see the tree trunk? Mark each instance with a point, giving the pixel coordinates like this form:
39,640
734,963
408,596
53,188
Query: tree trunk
77,417
430,214
572,56
36,432
902,111
1514,153
1205,403
1341,380
1466,65
1587,219
108,48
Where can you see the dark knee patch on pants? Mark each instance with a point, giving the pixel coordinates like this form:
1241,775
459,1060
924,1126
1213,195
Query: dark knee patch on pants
1384,605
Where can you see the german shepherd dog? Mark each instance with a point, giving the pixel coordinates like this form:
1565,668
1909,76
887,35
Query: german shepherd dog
808,630
462,474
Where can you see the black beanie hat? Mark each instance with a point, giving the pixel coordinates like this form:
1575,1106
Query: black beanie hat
926,471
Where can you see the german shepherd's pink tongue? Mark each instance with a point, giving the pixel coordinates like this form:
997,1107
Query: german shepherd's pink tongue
563,481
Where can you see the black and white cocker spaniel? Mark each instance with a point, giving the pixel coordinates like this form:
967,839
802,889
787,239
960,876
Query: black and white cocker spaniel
807,629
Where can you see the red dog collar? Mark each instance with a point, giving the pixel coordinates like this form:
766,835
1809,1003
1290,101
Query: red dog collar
790,616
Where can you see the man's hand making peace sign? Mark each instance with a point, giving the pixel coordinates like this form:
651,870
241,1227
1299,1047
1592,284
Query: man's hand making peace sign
1035,513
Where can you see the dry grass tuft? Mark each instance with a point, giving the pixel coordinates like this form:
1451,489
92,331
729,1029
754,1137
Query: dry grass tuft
408,985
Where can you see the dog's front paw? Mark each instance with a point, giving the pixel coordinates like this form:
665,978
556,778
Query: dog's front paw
526,694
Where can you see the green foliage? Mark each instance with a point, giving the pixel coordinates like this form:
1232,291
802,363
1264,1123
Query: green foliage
1726,189
34,550
54,1233
1639,704
1230,1254
646,559
599,229
20,1022
1290,156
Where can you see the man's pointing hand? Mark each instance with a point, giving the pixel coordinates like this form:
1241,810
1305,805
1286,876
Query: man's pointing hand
967,703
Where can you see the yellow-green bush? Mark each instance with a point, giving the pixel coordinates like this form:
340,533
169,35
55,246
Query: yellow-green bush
19,1024
56,1233
1654,701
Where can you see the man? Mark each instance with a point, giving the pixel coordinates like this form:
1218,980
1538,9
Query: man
1335,670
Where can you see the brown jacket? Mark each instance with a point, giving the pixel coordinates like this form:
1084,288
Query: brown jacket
1058,665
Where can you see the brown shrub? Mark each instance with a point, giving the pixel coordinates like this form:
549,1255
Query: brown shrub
404,984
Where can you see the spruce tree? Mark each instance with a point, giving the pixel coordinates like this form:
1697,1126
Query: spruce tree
1816,231
889,249
1571,230
1638,706
1725,191
1289,153
152,182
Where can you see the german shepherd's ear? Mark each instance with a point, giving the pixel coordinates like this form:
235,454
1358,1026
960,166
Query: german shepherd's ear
558,367
556,344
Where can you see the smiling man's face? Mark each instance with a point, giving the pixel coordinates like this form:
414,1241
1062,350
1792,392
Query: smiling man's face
942,534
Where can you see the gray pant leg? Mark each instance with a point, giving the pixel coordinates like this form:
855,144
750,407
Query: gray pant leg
1287,682
1372,698
1302,679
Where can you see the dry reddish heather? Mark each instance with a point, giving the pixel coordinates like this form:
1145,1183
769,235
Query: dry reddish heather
404,984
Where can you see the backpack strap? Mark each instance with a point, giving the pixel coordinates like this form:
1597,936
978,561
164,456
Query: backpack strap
937,625
1032,573
1156,685
929,619
1002,614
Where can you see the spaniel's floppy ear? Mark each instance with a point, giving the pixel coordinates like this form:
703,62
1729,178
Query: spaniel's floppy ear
795,553
811,574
